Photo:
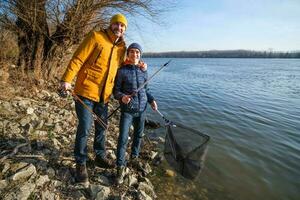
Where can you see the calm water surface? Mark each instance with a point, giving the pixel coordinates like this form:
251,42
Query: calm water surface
251,110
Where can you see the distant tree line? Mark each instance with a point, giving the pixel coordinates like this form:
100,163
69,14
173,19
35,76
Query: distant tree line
224,54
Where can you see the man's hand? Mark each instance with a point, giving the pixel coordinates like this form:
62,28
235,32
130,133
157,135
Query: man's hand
126,99
154,105
65,86
63,89
143,65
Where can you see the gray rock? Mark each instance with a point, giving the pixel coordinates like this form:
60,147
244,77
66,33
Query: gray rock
111,154
143,186
111,144
46,105
147,168
42,166
143,196
23,192
131,180
58,128
103,180
5,168
43,114
103,194
13,128
53,116
42,180
29,111
99,192
56,143
25,120
5,122
33,117
77,195
64,174
24,173
67,162
1,125
40,124
47,151
6,105
3,184
153,154
45,93
47,195
147,181
161,139
51,172
40,133
65,139
56,183
49,122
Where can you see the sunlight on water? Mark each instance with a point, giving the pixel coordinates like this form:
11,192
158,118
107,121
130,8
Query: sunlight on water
251,110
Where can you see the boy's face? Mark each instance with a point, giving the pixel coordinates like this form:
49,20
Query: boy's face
134,56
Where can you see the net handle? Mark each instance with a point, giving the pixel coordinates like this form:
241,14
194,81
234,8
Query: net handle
170,123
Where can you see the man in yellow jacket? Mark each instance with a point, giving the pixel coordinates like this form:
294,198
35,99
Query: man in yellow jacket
95,63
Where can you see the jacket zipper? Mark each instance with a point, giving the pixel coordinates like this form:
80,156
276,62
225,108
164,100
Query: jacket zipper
103,88
138,85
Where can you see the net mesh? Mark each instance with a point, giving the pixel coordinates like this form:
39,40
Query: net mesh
185,149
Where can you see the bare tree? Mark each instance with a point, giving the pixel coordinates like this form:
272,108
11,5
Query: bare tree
46,29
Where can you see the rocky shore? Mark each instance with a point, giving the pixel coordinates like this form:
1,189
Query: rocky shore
37,133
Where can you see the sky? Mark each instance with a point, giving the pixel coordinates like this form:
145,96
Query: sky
197,25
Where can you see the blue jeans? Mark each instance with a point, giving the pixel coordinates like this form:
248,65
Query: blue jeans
85,119
138,122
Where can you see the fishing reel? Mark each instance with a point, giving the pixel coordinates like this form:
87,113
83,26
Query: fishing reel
62,93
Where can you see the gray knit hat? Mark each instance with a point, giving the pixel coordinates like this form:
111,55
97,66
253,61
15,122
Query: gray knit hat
135,46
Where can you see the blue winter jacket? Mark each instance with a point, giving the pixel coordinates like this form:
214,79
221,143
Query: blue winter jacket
129,79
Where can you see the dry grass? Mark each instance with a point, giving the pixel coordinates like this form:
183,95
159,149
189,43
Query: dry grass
15,82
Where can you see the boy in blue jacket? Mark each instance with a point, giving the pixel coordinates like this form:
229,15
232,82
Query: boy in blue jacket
133,105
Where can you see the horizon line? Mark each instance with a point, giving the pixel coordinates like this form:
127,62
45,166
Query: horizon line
270,51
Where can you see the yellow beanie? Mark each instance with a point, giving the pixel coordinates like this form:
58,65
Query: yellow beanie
118,18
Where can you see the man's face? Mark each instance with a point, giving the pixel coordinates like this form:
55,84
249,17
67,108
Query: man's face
134,56
118,28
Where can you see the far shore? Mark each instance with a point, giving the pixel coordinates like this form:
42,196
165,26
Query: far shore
223,54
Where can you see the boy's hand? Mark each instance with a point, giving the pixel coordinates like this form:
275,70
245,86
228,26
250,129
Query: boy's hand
154,105
143,65
126,99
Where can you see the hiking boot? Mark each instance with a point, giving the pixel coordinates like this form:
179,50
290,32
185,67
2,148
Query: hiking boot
136,163
81,175
120,175
104,163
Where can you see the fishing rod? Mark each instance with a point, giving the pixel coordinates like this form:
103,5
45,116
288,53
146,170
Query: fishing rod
96,117
77,98
141,86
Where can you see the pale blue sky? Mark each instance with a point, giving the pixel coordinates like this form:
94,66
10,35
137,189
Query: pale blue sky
222,24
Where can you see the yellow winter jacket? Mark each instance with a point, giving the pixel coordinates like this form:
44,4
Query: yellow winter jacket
95,63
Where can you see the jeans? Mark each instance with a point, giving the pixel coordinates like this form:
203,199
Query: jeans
85,119
138,121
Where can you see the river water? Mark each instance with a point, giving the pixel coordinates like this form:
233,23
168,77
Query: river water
251,110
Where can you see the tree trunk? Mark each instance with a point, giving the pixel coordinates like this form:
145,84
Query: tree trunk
33,35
